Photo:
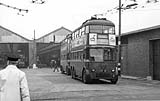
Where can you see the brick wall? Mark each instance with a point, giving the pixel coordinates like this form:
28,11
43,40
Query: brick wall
135,54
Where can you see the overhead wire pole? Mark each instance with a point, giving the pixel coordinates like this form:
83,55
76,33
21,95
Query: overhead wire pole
128,6
34,49
119,39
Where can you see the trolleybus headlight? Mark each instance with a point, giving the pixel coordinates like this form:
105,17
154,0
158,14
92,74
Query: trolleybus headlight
93,70
119,69
113,70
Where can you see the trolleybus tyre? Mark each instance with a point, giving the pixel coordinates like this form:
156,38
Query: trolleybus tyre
86,78
62,71
67,70
114,80
73,73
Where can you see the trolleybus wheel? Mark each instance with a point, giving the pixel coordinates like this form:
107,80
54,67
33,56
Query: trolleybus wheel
73,73
62,71
86,78
68,71
114,80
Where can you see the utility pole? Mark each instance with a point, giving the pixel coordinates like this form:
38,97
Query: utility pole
119,39
34,49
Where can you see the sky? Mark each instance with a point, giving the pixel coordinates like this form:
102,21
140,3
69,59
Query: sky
53,14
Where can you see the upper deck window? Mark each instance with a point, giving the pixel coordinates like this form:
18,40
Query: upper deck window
73,36
83,29
87,29
96,29
108,29
101,29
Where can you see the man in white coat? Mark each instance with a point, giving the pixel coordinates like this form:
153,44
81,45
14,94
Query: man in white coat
13,82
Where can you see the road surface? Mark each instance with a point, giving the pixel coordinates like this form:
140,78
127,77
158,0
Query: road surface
46,85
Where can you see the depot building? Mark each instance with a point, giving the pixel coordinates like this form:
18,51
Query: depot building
28,50
140,53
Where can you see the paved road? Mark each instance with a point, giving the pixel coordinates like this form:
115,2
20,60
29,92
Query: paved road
46,85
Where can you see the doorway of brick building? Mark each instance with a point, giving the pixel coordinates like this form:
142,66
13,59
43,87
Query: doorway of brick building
155,59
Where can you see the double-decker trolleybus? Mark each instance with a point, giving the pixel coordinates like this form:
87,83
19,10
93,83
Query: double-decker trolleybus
64,55
92,51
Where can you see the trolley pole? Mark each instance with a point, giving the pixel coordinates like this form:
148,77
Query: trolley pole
119,40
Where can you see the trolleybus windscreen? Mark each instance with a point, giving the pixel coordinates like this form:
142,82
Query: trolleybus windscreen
102,54
109,54
96,54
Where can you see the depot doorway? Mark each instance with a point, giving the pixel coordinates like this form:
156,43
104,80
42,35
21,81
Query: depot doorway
155,59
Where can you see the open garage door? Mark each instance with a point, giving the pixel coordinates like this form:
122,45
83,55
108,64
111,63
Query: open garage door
20,49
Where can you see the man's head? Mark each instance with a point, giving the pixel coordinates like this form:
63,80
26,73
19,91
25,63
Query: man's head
12,59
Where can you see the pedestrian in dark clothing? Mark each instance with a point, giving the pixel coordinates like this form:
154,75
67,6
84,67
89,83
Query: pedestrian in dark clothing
52,64
55,67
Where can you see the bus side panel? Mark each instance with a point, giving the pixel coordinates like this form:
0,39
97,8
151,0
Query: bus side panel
78,66
64,63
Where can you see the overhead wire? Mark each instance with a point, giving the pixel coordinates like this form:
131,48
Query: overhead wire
125,6
23,10
26,10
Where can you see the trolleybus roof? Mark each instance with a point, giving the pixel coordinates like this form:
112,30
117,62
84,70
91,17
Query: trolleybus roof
100,21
